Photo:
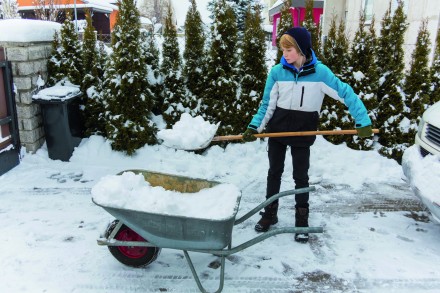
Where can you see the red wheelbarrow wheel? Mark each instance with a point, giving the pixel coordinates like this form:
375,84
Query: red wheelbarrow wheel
133,256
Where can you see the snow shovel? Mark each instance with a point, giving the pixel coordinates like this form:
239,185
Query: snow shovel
280,134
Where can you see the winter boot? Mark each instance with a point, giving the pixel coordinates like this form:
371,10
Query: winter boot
268,217
302,220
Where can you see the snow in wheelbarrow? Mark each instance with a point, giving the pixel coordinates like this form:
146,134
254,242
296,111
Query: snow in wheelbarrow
171,211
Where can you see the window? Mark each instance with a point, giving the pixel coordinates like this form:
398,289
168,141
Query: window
368,10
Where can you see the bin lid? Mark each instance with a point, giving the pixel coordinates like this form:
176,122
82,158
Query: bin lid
57,93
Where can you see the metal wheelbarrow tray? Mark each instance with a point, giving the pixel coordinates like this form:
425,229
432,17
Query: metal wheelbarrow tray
136,237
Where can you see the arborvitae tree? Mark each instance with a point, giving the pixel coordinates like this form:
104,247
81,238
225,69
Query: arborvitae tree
239,7
328,47
395,136
54,71
394,131
435,72
372,43
341,52
390,49
92,82
334,115
103,56
194,53
342,71
71,59
96,103
417,82
286,22
220,94
127,98
144,45
312,27
253,69
240,10
211,7
174,100
89,53
328,115
150,53
385,53
363,77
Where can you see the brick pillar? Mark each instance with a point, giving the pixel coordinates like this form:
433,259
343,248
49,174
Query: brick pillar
29,61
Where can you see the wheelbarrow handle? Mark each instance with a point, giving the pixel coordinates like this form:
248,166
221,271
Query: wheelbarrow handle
294,133
271,200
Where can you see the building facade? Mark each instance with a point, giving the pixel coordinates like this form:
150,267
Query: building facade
298,12
416,11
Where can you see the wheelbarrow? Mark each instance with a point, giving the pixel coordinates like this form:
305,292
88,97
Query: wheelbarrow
136,237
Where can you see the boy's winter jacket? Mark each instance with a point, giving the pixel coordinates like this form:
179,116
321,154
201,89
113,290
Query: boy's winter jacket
292,100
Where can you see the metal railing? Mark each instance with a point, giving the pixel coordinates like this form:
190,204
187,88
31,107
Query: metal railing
106,38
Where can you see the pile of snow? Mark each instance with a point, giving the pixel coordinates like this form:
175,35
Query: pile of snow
132,192
27,30
189,133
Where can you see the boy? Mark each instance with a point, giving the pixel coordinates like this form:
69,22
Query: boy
292,100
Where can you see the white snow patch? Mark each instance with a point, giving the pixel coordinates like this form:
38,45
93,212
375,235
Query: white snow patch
58,92
188,133
131,191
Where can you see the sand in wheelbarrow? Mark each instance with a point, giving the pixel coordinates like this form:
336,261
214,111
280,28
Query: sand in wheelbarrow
132,192
189,133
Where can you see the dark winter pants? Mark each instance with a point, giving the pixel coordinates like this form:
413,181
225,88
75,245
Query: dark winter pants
300,162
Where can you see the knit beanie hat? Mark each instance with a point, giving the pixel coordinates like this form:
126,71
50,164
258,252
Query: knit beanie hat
302,38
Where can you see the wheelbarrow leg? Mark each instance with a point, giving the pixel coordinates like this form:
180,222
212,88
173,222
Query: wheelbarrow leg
196,277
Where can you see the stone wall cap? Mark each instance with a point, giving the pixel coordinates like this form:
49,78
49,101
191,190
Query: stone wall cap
27,30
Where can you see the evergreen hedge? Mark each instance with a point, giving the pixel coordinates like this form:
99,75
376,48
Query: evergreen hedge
222,79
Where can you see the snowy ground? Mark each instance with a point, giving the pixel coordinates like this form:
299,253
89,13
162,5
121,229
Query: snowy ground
377,237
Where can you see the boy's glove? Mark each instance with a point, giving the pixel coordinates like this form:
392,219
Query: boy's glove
365,131
248,135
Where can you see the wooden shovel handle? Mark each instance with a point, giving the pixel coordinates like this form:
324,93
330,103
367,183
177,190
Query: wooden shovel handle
297,133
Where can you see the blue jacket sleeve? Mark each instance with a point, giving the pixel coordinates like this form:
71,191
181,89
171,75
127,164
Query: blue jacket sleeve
339,90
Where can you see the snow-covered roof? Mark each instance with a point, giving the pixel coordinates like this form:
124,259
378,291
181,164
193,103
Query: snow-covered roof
100,3
97,5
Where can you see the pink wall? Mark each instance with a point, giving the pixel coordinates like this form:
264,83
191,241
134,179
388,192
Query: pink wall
296,21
